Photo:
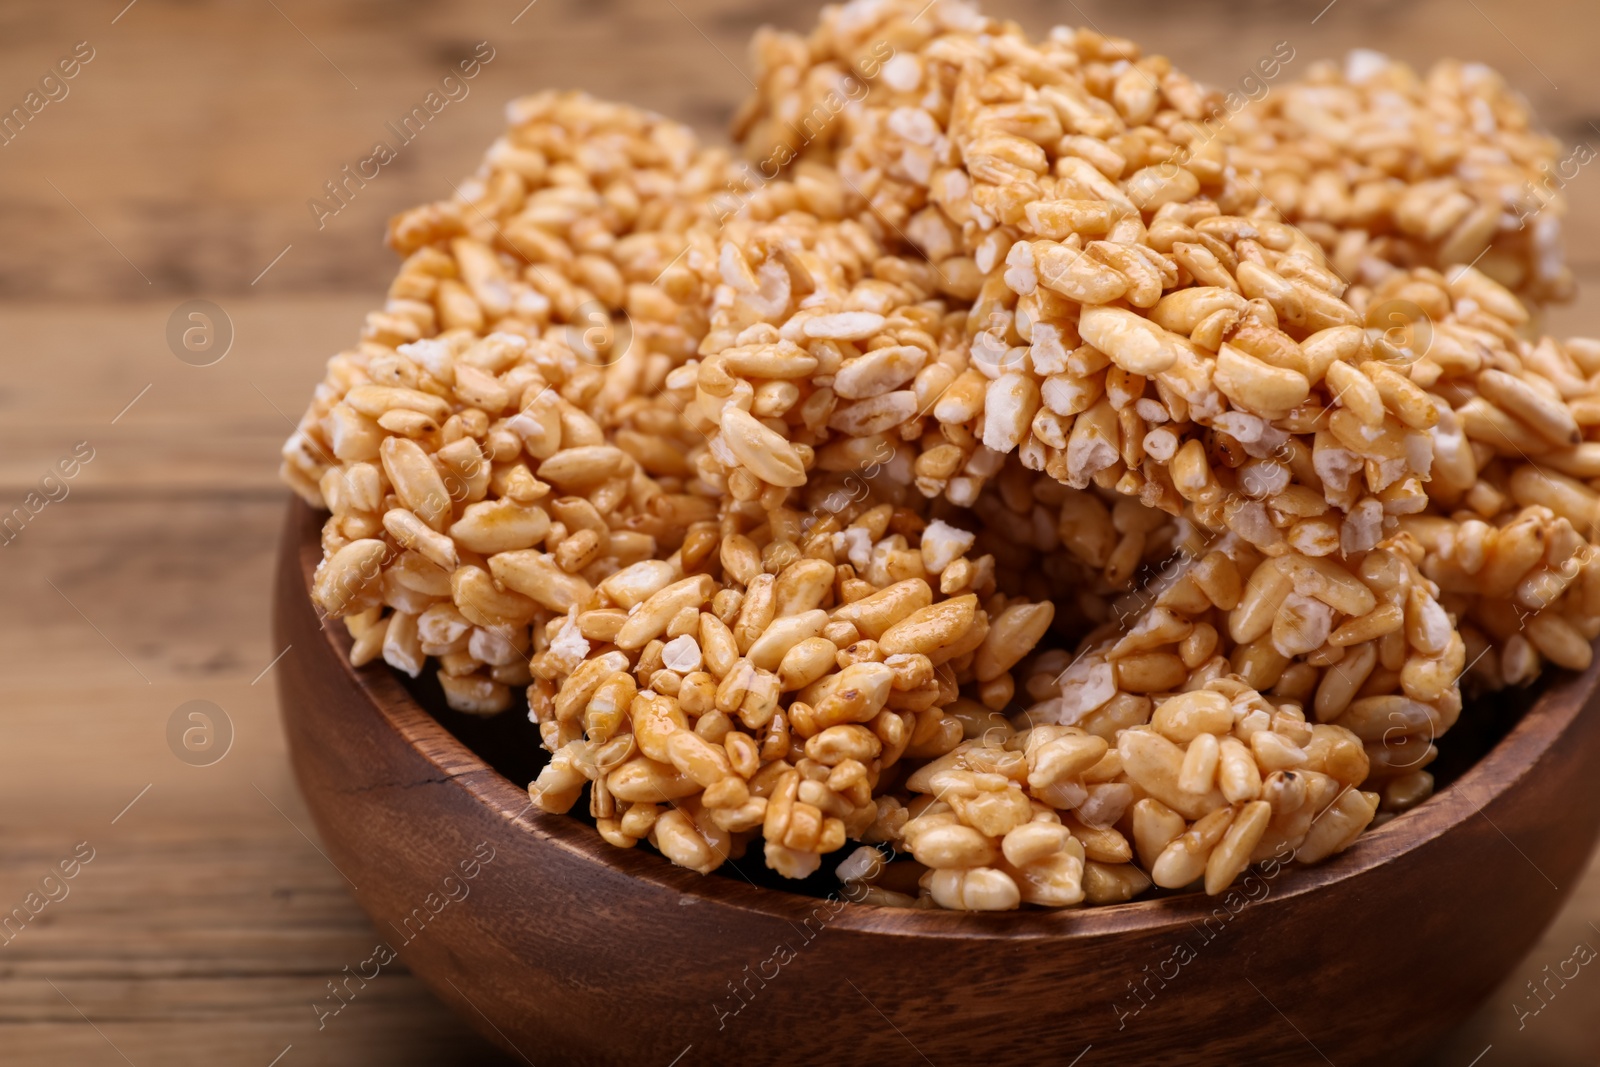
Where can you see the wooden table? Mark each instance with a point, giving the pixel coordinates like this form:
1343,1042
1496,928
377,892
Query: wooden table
179,166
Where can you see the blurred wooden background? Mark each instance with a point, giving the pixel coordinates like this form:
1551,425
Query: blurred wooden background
179,166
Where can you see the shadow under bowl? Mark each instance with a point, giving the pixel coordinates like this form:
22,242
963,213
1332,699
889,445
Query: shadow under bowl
564,949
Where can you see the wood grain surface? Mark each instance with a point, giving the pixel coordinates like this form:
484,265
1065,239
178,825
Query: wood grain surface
179,167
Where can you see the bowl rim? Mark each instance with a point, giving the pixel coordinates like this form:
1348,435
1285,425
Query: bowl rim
459,767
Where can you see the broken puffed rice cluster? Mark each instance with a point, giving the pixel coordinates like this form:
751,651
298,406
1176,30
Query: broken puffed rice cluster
1384,168
1034,473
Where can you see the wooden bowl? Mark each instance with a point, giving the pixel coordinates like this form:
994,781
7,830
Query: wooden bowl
564,949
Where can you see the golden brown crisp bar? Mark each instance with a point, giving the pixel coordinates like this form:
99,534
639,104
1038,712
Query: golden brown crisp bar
527,314
1383,167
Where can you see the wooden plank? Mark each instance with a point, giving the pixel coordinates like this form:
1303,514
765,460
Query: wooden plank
207,923
203,930
189,428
